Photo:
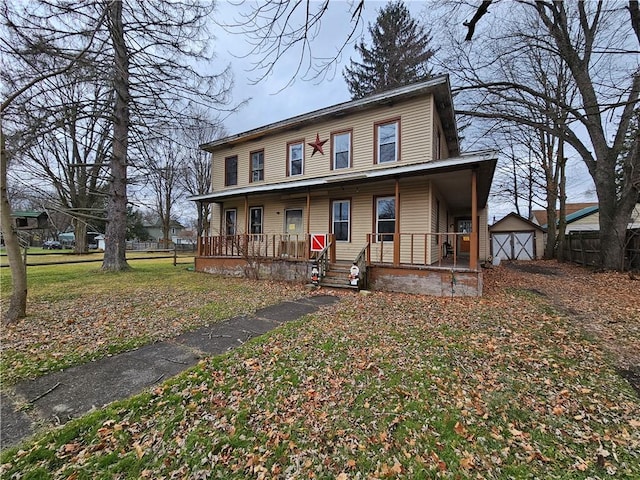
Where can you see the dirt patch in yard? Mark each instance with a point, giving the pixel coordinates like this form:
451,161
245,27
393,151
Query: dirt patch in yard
605,305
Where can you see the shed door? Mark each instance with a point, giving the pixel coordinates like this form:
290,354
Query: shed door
512,245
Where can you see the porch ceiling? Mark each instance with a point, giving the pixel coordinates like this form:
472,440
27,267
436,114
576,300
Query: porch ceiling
451,176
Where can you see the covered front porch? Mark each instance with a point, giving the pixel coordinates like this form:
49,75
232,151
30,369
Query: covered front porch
412,228
290,258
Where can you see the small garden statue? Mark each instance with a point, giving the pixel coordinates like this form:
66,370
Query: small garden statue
354,274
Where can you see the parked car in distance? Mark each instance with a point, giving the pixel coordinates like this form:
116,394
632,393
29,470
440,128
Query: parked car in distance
52,245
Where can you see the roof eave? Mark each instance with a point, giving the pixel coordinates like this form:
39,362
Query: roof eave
487,158
438,86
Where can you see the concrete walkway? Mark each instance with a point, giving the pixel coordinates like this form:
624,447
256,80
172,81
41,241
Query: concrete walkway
61,396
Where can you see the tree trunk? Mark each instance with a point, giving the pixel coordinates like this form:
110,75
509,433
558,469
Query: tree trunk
614,216
562,224
116,231
18,303
80,234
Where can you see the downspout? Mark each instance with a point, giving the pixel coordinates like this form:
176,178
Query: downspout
473,250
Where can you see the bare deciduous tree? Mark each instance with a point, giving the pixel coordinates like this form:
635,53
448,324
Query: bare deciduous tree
596,43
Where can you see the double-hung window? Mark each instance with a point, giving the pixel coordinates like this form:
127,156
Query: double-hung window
230,217
255,220
341,219
341,150
385,218
257,166
387,141
295,158
231,171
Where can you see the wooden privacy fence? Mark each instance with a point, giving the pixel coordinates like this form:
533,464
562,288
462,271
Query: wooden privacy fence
584,248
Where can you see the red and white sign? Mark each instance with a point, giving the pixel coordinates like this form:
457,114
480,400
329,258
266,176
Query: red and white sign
318,242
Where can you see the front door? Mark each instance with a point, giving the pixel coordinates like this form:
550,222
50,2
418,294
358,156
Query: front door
293,222
463,226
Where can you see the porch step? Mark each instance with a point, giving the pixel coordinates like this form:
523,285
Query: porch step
337,276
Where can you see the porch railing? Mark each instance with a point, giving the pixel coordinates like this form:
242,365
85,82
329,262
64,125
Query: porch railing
326,256
423,249
362,261
255,245
426,249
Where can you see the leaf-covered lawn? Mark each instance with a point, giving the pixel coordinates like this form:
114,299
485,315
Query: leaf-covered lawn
76,314
511,385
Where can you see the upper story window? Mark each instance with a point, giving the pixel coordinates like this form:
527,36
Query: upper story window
387,141
340,150
257,166
231,171
295,158
438,146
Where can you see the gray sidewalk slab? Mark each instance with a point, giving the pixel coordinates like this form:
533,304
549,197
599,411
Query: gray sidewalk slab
70,393
60,396
14,423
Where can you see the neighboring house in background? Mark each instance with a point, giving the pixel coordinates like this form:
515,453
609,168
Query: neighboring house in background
539,217
155,231
585,217
513,237
379,181
588,219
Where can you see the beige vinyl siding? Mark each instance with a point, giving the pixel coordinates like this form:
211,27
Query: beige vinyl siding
415,145
417,215
590,222
437,127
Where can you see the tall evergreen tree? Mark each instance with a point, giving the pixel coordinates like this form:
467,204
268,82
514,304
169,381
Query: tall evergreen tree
399,53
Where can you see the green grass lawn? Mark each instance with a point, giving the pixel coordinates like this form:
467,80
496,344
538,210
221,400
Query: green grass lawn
379,386
76,313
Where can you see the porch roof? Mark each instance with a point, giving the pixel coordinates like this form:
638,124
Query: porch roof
484,161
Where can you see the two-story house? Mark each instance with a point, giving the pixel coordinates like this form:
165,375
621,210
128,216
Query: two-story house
379,181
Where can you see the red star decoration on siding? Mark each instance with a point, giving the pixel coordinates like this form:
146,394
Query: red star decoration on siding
317,145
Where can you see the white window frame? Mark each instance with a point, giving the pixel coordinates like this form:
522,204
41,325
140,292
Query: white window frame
347,221
234,223
256,209
335,151
396,125
384,236
253,171
290,158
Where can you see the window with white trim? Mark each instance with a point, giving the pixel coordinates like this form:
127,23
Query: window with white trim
257,166
255,220
230,219
385,218
341,150
295,155
341,219
387,142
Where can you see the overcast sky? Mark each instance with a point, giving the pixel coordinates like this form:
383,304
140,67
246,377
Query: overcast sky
275,98
278,97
